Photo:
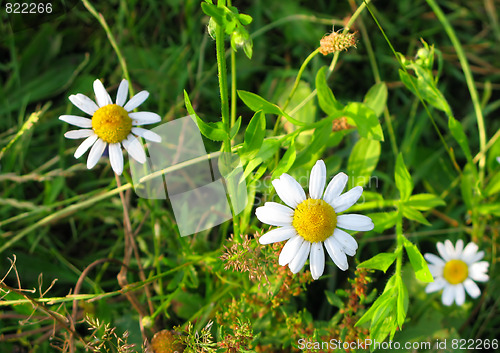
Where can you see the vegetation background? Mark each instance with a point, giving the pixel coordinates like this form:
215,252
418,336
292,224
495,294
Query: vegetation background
57,217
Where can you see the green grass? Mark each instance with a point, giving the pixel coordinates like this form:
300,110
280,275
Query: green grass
57,217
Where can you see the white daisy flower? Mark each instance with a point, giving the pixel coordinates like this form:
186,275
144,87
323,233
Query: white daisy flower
112,125
456,270
310,222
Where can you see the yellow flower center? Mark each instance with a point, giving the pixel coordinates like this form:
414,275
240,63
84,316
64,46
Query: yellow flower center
112,123
314,220
455,271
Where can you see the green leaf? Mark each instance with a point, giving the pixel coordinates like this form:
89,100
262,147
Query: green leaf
418,262
363,160
457,131
334,299
212,131
213,11
489,209
256,103
245,19
380,261
286,161
365,120
326,99
318,142
376,98
403,179
424,86
267,151
413,214
254,134
383,220
235,128
424,202
402,302
467,185
493,186
384,301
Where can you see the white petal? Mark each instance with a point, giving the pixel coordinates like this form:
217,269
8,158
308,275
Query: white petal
76,120
84,103
472,288
469,252
274,214
433,259
134,148
459,247
144,118
101,96
459,294
335,187
335,251
79,134
317,180
277,235
95,153
121,95
300,259
443,252
450,249
448,295
349,244
317,260
290,250
476,257
289,190
85,145
148,135
438,284
136,100
436,270
116,157
355,222
478,271
343,202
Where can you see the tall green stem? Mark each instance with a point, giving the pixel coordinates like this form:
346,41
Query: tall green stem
468,79
221,68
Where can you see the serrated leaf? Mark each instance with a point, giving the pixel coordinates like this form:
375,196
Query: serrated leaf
376,98
326,99
418,262
413,214
365,120
363,160
424,202
254,134
380,261
404,183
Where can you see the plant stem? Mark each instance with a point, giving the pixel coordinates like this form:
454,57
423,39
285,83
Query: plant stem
470,83
221,68
112,40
